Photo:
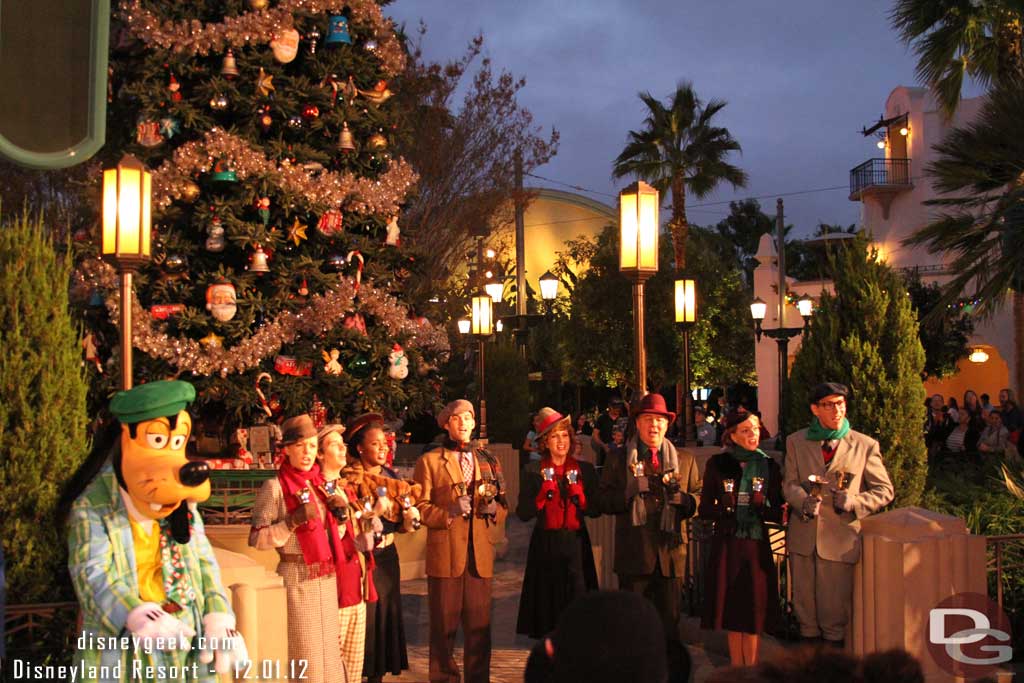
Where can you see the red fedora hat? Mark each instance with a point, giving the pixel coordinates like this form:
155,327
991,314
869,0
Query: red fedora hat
654,404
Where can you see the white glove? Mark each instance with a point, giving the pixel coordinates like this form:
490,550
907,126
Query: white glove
383,506
811,506
225,646
376,526
411,519
149,622
364,541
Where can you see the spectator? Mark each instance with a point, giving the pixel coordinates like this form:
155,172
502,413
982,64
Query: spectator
936,425
602,435
971,403
530,450
985,405
953,410
583,425
995,438
1012,419
963,438
706,432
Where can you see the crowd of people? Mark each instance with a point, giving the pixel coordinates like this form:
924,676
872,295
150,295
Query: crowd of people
974,429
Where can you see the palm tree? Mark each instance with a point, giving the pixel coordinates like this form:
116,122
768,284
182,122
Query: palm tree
679,150
954,38
979,175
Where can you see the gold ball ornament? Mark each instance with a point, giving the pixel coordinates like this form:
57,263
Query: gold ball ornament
259,4
377,142
190,192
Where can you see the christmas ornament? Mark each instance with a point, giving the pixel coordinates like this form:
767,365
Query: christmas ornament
310,112
174,88
219,102
228,68
175,265
290,365
223,172
318,412
370,45
330,223
165,311
264,405
312,37
212,341
285,45
169,127
297,232
355,322
331,364
303,290
215,241
90,354
354,254
335,263
379,94
346,143
147,133
398,363
259,4
359,367
377,142
337,32
263,118
221,300
394,232
190,192
265,83
263,207
295,122
258,261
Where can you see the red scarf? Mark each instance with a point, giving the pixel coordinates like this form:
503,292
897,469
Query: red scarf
321,551
354,586
560,513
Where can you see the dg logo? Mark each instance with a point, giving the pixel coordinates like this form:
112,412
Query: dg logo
969,635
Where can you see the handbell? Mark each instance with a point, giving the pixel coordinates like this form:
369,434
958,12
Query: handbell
572,476
548,473
303,495
638,468
729,485
843,480
407,504
757,484
337,31
346,143
229,69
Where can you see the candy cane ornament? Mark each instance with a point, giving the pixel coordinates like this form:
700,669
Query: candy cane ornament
354,254
259,392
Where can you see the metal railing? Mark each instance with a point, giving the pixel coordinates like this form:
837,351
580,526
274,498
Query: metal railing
1003,558
880,173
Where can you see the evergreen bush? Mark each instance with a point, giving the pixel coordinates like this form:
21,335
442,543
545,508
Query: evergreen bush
43,413
866,336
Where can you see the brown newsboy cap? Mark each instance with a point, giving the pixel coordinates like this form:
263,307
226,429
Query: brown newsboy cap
296,429
459,405
826,389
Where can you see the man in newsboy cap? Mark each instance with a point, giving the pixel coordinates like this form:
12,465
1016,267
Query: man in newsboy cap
834,476
462,497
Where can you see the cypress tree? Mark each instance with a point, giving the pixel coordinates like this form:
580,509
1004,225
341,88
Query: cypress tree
865,335
42,415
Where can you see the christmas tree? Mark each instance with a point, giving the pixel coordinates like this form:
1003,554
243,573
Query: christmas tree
277,280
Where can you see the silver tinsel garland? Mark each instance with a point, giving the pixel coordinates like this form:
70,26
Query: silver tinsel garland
322,313
259,28
322,190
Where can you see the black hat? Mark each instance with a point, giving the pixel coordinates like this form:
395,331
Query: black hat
735,417
826,389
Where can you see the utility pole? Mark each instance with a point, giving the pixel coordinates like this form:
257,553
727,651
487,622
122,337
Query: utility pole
520,208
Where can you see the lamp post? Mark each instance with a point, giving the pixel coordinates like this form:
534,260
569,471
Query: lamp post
548,289
126,232
482,328
782,335
686,316
495,286
638,260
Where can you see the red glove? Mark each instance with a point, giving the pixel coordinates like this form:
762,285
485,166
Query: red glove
757,499
576,495
547,492
728,501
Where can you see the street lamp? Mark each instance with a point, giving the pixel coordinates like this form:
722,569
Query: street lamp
548,286
482,328
464,324
495,286
782,335
686,316
638,259
126,231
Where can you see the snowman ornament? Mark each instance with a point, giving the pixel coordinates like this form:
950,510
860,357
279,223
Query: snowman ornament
398,363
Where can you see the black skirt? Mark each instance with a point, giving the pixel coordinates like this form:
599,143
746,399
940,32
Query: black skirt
559,568
385,633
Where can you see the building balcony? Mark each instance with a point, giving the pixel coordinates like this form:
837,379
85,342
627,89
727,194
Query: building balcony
882,179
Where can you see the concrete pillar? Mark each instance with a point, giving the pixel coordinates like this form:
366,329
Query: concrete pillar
911,560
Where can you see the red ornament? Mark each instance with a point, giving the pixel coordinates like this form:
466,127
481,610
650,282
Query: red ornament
175,89
310,112
330,223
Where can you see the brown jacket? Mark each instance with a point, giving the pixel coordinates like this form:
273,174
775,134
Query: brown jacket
835,536
638,548
438,472
366,485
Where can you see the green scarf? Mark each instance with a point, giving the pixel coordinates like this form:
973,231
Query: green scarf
816,432
748,521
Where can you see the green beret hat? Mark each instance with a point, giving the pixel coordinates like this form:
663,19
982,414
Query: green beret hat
163,398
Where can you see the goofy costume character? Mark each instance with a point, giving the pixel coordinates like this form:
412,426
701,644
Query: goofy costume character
141,564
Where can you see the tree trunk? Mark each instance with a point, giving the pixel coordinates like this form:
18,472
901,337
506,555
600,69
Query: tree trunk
1010,62
1018,343
678,226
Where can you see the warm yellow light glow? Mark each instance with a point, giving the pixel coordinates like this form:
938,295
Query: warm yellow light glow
548,286
758,309
464,325
805,305
489,253
686,301
638,229
482,320
499,326
904,131
494,288
881,144
978,356
126,210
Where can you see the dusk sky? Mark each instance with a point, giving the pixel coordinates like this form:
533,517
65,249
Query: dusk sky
801,78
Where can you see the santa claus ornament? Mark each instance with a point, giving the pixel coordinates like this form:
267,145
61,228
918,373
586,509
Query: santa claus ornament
221,300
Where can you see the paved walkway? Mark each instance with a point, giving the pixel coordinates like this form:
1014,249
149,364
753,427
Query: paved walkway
510,650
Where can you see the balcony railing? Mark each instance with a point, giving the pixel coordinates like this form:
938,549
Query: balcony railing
882,174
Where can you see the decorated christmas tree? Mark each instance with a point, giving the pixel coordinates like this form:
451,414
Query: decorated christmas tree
278,270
